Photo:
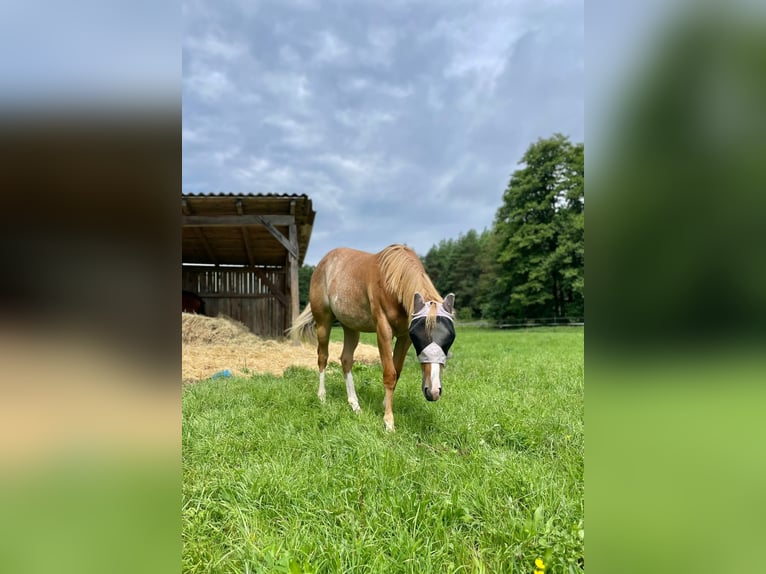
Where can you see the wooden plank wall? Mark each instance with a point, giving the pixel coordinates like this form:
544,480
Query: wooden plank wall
240,293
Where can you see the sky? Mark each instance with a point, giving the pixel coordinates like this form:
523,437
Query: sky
402,121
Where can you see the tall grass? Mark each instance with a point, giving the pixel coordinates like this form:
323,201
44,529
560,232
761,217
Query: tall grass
487,479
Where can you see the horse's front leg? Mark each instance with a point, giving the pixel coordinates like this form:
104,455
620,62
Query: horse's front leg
389,372
403,343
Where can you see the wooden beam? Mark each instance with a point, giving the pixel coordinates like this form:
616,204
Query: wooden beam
270,226
237,295
235,220
292,249
243,229
201,236
249,250
226,267
295,305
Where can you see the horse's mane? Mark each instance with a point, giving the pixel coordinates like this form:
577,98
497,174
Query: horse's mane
404,275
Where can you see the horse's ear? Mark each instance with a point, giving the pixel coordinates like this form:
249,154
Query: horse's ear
419,304
449,303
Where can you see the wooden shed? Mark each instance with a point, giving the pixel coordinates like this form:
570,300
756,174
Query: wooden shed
241,255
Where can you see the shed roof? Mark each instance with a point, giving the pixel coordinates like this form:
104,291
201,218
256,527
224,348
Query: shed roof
241,229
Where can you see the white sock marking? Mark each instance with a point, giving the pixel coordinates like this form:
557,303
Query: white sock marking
351,392
321,391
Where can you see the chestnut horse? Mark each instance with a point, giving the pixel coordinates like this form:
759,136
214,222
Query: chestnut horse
388,293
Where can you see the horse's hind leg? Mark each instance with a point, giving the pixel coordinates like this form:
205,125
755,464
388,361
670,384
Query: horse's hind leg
350,341
323,345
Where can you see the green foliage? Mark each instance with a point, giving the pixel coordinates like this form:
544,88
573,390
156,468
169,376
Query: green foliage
540,234
680,198
461,266
532,262
488,479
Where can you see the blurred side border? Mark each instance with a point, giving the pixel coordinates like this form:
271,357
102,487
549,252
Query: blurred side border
90,336
674,348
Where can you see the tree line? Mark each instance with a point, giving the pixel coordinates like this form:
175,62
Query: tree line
531,263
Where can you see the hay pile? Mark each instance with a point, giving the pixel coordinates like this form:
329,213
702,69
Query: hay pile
213,344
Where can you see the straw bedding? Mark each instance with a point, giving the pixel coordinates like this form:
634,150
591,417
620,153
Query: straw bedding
214,344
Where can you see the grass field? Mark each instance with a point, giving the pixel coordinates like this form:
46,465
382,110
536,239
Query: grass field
488,479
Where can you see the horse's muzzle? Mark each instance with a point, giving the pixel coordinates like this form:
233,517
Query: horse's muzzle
429,396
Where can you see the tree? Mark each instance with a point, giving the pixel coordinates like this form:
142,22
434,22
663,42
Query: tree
485,287
437,265
460,266
539,235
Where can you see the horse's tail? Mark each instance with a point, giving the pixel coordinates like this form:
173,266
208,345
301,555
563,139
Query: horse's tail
304,327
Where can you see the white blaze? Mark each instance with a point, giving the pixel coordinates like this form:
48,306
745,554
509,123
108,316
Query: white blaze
435,379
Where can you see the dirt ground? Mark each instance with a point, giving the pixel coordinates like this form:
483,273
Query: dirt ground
214,344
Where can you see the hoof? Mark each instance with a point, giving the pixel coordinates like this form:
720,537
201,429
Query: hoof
321,397
355,407
390,427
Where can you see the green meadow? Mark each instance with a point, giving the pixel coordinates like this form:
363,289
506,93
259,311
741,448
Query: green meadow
488,479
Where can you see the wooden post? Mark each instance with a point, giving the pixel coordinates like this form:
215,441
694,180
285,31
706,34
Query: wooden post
295,307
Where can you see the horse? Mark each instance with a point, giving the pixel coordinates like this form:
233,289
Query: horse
192,303
387,293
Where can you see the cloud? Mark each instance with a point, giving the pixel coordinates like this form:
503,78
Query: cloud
289,86
190,136
212,46
330,49
381,45
294,133
209,85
